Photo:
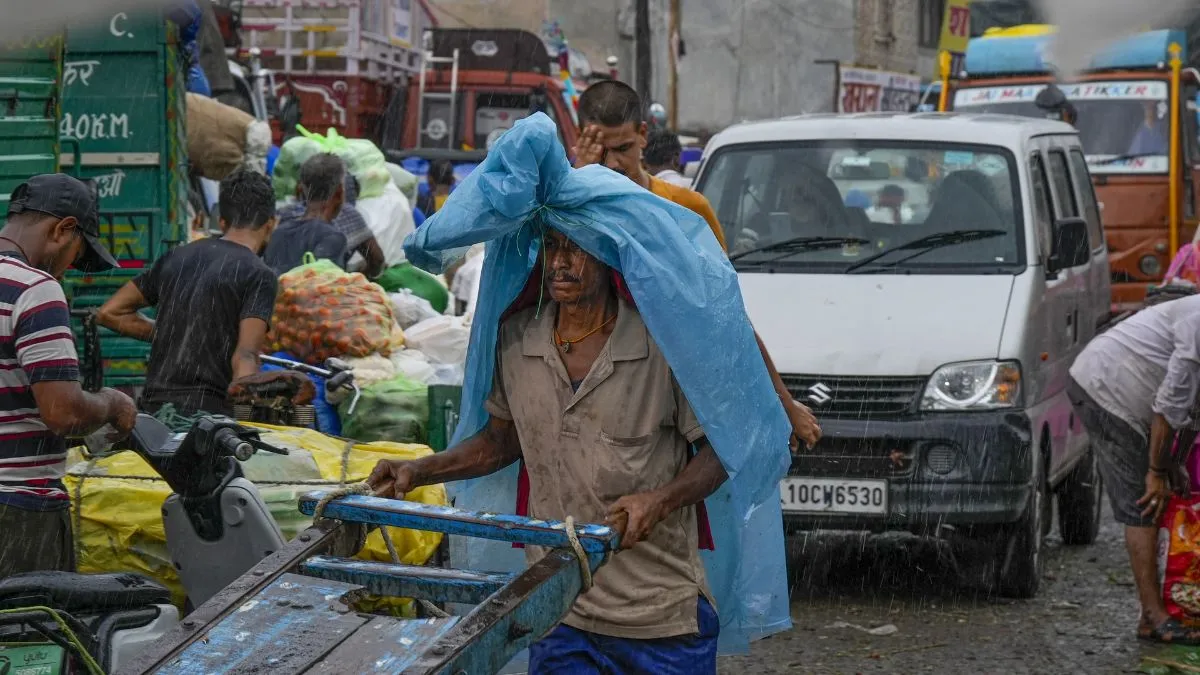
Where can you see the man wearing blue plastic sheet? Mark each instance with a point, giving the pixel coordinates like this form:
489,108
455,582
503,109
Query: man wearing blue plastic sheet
586,399
669,271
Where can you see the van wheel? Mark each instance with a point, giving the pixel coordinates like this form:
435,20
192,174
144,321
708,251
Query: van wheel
1079,501
1019,550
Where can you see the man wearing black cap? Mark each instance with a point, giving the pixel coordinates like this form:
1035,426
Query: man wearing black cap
52,225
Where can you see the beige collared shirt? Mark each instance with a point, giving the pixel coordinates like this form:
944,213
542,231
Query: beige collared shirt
625,431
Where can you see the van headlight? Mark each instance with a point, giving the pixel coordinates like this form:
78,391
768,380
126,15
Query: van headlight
974,385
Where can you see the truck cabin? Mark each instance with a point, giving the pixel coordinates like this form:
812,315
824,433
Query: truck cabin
461,104
1146,184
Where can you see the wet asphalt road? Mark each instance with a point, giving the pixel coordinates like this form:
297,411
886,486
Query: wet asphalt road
1082,621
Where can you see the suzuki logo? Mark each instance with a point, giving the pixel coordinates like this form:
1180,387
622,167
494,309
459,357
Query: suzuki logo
820,394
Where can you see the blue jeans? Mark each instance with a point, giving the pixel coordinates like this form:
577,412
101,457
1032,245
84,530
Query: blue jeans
570,650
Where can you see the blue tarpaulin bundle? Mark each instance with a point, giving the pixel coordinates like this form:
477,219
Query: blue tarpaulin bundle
688,296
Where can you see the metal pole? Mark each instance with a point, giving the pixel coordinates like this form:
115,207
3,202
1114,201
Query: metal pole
642,35
944,61
673,40
1176,164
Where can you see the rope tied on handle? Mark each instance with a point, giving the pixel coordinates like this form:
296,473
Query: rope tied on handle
585,569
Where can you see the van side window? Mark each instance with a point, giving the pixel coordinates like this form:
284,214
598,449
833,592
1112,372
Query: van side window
1043,221
1060,178
1087,197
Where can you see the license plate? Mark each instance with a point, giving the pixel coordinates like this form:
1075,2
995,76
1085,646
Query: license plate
833,495
31,659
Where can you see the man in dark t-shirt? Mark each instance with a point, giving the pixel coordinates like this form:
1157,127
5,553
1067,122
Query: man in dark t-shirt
214,299
322,190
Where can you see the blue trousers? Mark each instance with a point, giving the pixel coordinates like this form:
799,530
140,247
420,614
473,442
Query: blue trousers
567,651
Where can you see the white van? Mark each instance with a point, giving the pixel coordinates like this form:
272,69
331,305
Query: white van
923,282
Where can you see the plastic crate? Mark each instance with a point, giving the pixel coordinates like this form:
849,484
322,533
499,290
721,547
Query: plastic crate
124,360
444,402
30,87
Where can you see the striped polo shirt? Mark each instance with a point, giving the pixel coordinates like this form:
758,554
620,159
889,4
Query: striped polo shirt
36,345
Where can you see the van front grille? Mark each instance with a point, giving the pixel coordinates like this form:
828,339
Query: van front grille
856,397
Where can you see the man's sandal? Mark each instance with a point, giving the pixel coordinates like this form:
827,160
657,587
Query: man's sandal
1170,631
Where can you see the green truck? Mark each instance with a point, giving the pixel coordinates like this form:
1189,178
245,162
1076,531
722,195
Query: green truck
104,101
30,76
123,124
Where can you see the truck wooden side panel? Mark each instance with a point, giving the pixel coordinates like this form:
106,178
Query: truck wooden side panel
125,106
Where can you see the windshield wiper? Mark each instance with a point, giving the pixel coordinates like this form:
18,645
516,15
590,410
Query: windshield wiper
926,244
1124,158
798,244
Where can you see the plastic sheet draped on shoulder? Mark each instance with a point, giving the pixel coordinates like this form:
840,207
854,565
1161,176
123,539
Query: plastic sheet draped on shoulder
688,296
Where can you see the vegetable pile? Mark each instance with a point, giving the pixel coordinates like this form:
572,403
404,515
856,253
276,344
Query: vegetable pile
323,312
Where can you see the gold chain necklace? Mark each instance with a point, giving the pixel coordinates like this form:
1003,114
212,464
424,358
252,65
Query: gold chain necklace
565,344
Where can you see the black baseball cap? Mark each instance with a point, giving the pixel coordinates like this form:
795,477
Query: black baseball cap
63,196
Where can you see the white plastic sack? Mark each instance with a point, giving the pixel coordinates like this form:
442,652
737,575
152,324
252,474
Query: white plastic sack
443,340
404,180
466,280
258,146
413,364
412,309
371,369
390,218
367,371
450,374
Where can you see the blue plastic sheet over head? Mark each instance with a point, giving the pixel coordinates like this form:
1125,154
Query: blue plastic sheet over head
688,296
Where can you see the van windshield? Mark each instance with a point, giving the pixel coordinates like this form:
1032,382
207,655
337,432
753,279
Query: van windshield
828,206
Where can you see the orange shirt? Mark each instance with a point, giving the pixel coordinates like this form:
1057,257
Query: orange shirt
690,199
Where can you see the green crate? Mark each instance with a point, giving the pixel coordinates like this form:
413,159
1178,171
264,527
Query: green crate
30,91
124,359
444,402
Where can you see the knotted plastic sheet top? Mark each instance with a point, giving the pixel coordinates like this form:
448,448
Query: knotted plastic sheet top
688,296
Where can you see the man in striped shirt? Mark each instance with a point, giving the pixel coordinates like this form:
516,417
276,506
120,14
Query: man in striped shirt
52,225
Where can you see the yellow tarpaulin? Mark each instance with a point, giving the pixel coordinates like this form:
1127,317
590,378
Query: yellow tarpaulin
116,501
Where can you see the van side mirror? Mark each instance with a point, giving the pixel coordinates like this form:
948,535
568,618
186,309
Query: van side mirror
1070,247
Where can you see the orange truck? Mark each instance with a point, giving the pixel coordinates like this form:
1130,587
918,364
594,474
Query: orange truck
475,85
382,70
1135,108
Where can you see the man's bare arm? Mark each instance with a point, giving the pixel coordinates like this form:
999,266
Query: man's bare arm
488,451
373,258
120,314
698,480
637,515
804,423
252,335
67,410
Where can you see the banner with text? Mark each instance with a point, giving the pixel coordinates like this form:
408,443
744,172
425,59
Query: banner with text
867,90
956,33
